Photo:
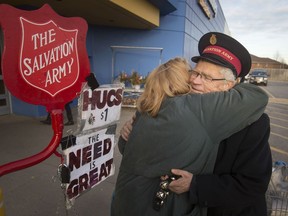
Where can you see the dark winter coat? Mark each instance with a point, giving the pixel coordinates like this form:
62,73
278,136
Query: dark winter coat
241,174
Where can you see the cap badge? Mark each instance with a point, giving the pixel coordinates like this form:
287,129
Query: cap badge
213,39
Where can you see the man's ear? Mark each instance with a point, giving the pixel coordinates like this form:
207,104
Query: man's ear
228,85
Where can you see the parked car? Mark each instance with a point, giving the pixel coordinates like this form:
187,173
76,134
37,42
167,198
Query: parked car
258,76
246,78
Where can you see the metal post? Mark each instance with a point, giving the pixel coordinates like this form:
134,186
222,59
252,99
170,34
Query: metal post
2,212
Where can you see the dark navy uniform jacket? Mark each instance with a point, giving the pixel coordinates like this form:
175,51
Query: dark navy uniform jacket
241,174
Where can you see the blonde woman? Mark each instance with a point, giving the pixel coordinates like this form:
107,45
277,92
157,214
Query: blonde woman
160,85
176,129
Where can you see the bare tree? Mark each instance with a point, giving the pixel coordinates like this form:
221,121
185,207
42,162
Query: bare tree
281,60
277,56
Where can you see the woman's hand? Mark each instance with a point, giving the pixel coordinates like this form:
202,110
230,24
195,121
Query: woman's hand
127,128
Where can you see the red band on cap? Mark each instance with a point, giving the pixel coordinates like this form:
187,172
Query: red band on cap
226,55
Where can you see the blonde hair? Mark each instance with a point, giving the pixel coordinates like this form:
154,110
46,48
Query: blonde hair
167,80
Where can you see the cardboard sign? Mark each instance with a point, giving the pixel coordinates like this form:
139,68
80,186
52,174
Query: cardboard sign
44,59
90,161
89,155
100,107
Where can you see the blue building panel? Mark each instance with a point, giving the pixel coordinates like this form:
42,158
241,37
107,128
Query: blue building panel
180,6
190,48
172,23
20,107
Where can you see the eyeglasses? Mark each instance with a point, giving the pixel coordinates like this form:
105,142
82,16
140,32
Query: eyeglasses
204,76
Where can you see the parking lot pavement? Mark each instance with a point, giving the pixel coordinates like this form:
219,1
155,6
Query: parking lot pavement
278,100
36,191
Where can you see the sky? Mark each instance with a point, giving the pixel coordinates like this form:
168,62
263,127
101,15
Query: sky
260,25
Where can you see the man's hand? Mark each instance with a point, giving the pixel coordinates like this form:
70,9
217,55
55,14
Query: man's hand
182,184
127,128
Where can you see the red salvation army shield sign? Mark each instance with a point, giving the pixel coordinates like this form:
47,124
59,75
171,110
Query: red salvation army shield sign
49,63
44,59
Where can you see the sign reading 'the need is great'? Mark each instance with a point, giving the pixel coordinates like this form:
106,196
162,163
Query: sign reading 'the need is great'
90,161
89,155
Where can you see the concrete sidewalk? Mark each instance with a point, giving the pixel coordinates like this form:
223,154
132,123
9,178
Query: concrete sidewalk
36,191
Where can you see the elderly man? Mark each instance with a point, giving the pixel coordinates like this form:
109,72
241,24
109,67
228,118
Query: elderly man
243,166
